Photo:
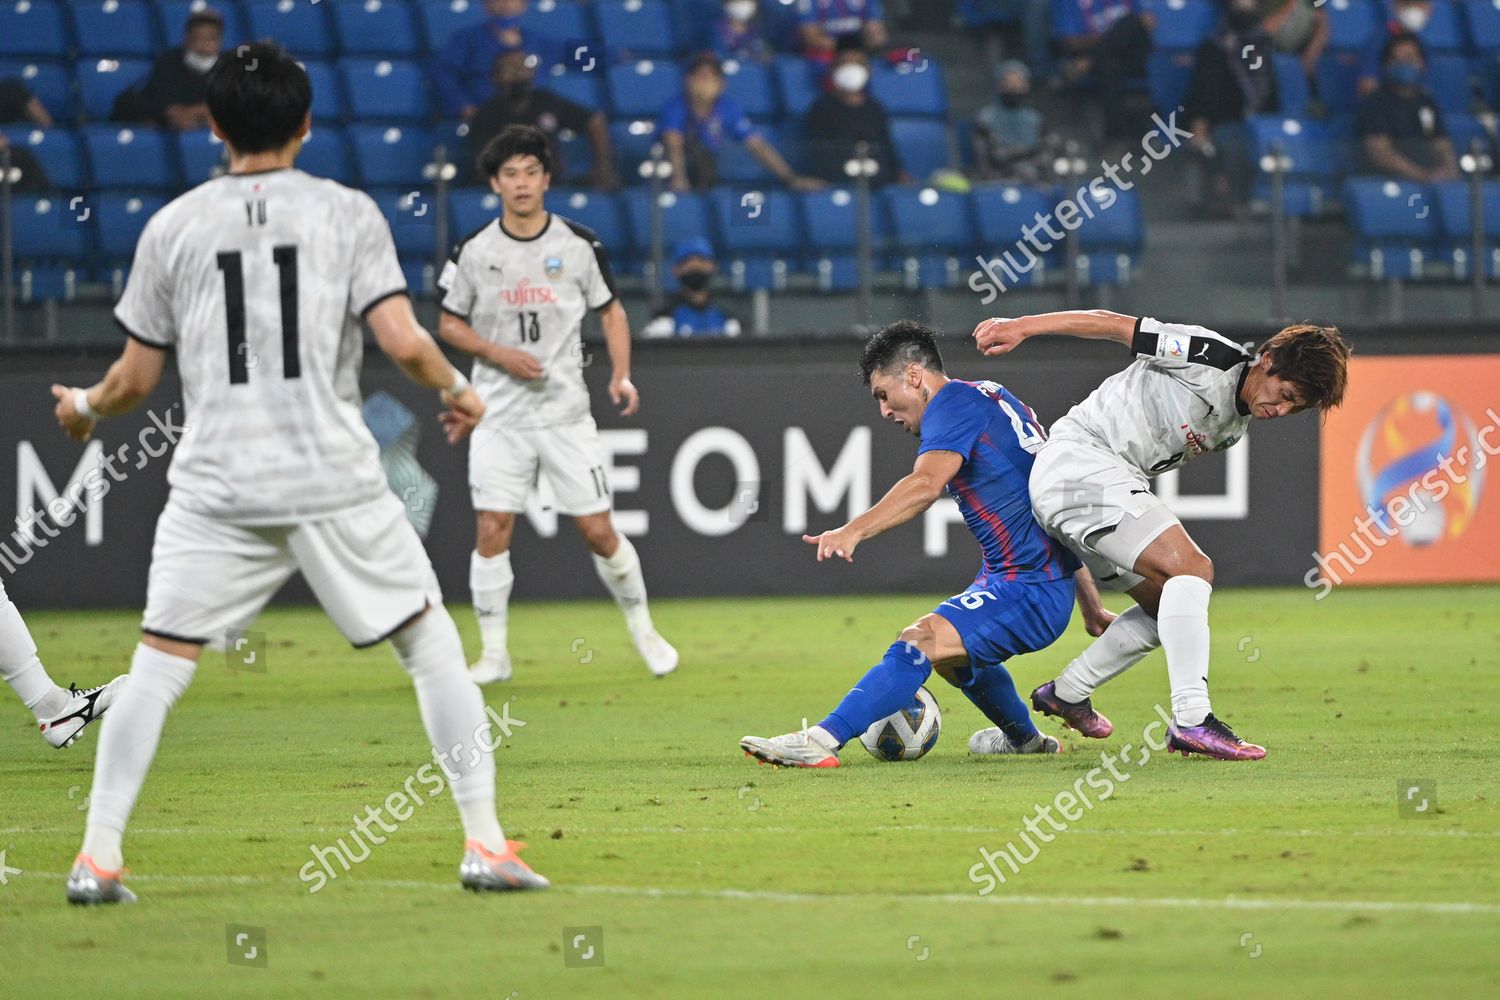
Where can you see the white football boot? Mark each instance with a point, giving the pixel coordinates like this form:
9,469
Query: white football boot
490,669
485,871
83,707
659,654
797,749
992,740
88,884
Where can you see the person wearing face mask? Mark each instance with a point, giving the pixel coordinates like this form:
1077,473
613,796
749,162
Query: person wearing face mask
1233,78
848,114
1011,140
737,33
462,69
519,101
1408,17
701,120
175,93
1399,125
692,312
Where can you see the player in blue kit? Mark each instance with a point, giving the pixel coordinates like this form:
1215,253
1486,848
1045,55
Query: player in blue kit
977,442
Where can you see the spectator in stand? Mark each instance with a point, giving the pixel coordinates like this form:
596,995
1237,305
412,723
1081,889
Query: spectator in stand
824,22
1107,41
1233,78
738,33
1299,28
462,69
692,312
848,114
519,101
175,92
19,105
1411,17
1399,125
697,123
1011,140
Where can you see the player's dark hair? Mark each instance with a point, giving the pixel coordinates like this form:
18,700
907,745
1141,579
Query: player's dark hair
1313,358
205,18
897,346
1401,38
258,96
513,141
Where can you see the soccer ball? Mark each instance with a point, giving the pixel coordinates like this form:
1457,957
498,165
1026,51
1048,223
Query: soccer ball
908,734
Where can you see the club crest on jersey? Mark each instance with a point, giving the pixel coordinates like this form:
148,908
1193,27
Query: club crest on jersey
553,266
1227,443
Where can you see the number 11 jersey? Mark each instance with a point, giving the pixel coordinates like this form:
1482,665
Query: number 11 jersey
259,283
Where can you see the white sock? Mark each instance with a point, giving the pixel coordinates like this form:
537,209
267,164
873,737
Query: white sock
823,738
127,743
453,714
1182,620
21,668
1124,643
490,582
621,573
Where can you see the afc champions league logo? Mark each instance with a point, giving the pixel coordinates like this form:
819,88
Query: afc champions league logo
1401,454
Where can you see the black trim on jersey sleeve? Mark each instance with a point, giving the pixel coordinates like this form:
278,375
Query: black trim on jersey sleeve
149,343
381,298
453,312
1201,350
600,254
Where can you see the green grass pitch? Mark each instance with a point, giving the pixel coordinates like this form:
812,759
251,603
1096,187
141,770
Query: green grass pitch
708,876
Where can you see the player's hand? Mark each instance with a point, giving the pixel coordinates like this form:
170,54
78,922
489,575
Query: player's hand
79,427
462,416
836,544
999,336
1096,620
623,391
518,363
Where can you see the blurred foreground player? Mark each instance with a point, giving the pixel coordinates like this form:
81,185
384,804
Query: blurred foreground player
258,281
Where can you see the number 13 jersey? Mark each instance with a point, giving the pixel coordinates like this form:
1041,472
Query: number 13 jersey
259,282
530,295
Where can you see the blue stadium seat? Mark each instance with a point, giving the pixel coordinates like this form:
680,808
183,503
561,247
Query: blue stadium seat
413,220
328,103
684,216
1181,24
930,231
1352,24
47,229
385,90
471,208
1168,77
59,151
325,153
639,89
174,15
1456,223
632,142
301,26
910,88
1484,24
1110,236
420,275
33,28
100,81
832,236
1463,129
441,18
1394,224
581,88
200,156
121,219
562,20
798,79
1291,85
753,88
1451,83
391,156
376,28
922,143
46,282
762,234
114,28
1337,75
737,165
1311,184
601,213
1000,212
137,157
636,27
49,81
577,158
1445,29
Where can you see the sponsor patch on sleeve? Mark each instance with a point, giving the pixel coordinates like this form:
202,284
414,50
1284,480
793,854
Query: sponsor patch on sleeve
1172,346
450,271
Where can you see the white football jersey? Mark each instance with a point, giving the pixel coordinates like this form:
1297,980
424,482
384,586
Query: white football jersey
530,294
1178,400
259,282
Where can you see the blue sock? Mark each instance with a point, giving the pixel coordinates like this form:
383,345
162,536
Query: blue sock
993,692
889,687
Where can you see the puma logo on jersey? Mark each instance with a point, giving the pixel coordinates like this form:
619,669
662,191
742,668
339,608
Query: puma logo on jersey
1203,353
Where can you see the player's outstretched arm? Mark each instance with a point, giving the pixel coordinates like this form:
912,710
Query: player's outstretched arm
1001,336
908,498
128,382
414,351
622,391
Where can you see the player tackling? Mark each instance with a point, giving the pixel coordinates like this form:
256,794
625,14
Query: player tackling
517,290
1189,391
258,281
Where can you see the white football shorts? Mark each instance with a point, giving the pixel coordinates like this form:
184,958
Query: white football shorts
505,465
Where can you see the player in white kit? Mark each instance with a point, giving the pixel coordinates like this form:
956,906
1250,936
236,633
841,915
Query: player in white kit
516,292
1189,391
258,281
